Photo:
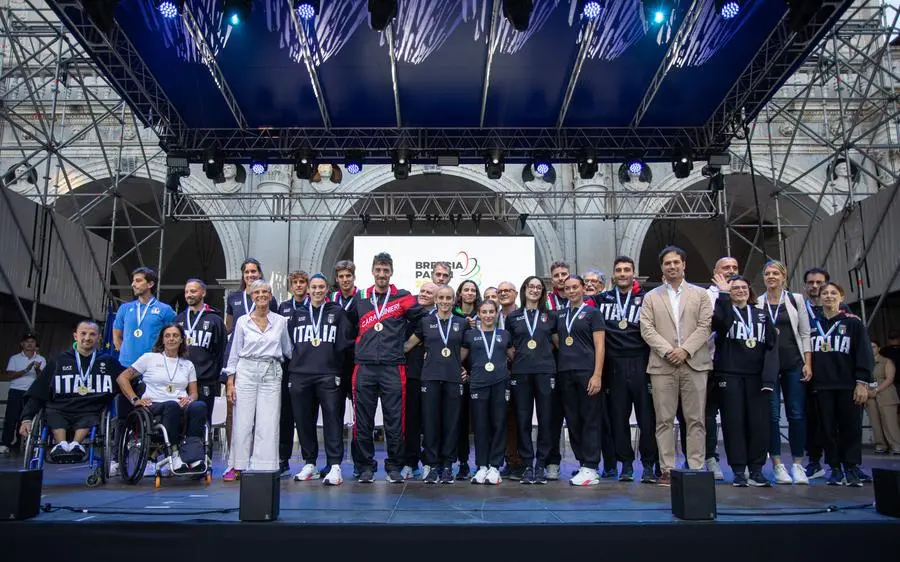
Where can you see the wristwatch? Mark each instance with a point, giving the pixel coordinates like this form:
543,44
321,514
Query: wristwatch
135,398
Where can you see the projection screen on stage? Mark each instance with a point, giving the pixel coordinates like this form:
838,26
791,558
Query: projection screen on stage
487,260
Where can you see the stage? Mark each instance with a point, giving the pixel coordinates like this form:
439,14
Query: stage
387,521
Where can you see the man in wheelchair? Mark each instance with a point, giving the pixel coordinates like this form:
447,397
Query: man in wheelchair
73,390
170,394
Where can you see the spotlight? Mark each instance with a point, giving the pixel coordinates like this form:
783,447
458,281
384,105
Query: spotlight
353,162
657,11
400,164
590,9
168,8
381,12
213,163
587,164
304,164
494,164
635,166
258,166
541,163
728,9
518,12
236,11
307,9
682,162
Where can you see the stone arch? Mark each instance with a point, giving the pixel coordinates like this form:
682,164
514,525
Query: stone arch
317,250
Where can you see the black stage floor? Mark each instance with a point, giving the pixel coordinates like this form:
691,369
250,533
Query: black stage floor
522,521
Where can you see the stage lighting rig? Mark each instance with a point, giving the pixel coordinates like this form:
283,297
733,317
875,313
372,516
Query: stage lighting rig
801,12
591,9
353,161
236,11
258,166
307,9
304,164
682,162
518,12
381,13
657,12
168,9
587,164
728,9
495,164
400,164
541,163
214,163
635,168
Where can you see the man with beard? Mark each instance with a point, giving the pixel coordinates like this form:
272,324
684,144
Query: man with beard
138,322
415,360
205,334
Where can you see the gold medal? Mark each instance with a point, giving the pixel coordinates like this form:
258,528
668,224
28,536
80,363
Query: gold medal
138,333
623,323
170,389
445,352
379,326
751,343
532,344
570,340
82,391
315,342
826,347
489,367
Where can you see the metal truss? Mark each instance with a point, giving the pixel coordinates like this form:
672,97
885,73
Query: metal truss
56,110
841,107
418,206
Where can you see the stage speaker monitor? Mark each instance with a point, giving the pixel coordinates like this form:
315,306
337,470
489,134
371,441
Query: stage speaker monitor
693,495
20,494
260,495
887,491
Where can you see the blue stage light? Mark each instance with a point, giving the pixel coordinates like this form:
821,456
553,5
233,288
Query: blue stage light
307,10
635,167
659,16
541,168
591,9
234,19
236,11
258,167
167,8
730,9
353,168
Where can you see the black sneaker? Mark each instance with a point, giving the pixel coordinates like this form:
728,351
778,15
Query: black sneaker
285,468
648,476
394,477
366,476
516,473
540,475
863,477
740,480
852,477
627,473
609,473
447,476
527,476
463,471
757,480
814,470
835,477
434,476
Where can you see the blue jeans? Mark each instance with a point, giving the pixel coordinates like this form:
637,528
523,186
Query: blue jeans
794,391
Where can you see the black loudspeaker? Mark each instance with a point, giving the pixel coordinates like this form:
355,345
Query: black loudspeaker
260,495
20,494
693,495
887,491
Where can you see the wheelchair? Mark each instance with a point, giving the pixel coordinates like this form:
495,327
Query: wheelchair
145,440
99,446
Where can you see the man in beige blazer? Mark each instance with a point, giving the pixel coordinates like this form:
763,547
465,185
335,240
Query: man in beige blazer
675,323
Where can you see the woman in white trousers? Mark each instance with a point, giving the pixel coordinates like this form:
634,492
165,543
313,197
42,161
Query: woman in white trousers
259,345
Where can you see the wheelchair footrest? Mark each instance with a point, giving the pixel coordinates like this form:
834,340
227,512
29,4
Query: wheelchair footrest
67,458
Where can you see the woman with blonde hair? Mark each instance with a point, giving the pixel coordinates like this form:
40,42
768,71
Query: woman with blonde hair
788,312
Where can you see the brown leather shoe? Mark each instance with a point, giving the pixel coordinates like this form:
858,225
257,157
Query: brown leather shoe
665,479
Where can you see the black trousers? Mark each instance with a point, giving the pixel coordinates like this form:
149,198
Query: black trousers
440,402
840,423
629,388
285,422
557,414
15,402
488,405
814,447
347,389
607,442
583,417
371,382
413,438
712,431
171,415
308,393
528,392
207,392
745,420
463,448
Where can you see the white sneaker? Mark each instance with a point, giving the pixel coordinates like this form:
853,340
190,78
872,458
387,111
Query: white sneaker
493,476
798,473
425,470
552,472
308,472
747,473
712,465
585,477
406,472
480,475
781,475
334,476
60,448
113,469
4,450
65,446
176,463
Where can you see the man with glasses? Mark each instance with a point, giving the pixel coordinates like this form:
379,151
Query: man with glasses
594,282
506,297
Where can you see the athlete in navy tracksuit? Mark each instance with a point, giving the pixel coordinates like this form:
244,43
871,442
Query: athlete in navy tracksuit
746,368
347,296
206,337
625,371
381,368
320,333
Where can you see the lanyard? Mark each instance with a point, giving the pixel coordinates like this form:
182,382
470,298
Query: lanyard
748,326
137,310
774,316
488,350
823,333
166,365
340,299
317,324
248,308
192,326
623,310
445,337
81,373
571,322
379,313
531,328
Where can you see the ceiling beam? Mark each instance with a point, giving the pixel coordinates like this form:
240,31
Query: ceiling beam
586,39
209,59
389,36
310,64
492,48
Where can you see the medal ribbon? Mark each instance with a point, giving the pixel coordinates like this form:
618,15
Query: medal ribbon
488,350
748,326
192,326
137,310
531,329
379,313
316,324
445,337
623,310
81,374
571,322
774,316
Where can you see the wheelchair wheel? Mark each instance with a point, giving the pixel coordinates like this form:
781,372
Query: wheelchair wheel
34,445
134,446
94,479
107,426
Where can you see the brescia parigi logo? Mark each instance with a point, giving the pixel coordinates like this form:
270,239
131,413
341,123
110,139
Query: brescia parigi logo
464,267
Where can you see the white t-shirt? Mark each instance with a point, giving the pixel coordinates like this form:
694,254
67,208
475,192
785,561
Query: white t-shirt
166,378
18,362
